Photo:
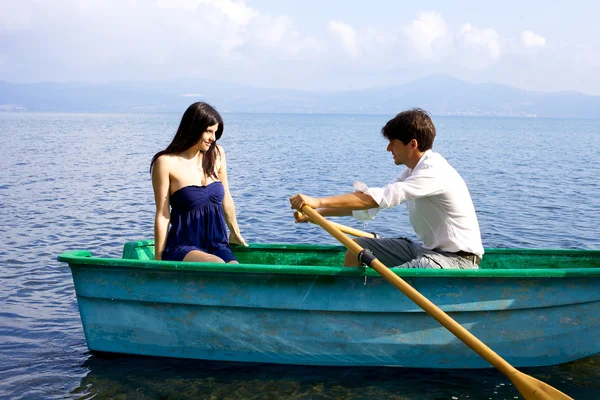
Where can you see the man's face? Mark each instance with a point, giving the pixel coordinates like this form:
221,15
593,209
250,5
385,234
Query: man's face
399,150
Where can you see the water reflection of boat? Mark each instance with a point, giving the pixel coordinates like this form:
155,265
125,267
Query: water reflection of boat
295,304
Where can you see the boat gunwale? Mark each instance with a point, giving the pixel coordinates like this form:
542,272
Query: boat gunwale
84,257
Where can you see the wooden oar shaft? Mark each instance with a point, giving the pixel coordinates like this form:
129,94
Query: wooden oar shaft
352,231
343,228
518,378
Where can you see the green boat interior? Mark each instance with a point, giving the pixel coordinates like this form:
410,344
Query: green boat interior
328,259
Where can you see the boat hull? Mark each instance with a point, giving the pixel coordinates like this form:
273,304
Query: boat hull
332,316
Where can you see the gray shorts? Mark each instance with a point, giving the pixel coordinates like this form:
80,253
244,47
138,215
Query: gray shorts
404,253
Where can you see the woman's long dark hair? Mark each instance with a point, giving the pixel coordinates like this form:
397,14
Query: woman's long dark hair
196,119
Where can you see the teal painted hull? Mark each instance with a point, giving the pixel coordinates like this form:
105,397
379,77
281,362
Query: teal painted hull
327,315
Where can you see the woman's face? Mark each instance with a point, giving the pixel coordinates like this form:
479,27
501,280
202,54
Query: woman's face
208,137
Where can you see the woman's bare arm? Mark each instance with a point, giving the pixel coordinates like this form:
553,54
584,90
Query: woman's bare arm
228,205
162,218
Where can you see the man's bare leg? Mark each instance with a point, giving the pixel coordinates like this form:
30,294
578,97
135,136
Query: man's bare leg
351,260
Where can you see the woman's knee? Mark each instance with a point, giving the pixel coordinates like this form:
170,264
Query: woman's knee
200,256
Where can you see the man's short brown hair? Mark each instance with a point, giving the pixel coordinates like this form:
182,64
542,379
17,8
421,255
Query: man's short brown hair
411,124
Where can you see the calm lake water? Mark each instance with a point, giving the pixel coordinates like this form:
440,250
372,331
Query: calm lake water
81,182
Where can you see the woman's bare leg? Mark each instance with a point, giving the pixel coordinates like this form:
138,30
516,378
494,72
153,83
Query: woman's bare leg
200,256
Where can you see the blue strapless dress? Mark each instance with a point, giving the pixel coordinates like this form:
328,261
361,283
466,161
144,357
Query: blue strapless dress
198,223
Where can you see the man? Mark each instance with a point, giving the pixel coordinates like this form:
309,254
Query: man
439,204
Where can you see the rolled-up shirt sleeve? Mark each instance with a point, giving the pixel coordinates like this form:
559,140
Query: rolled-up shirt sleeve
421,183
375,193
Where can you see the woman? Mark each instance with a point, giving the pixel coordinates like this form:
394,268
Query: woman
191,193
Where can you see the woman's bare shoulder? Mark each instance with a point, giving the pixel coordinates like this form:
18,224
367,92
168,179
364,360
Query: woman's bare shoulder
165,162
167,159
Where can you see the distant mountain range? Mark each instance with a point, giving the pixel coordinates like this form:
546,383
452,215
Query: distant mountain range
441,95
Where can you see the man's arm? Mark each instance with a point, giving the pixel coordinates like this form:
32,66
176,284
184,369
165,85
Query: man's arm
335,205
325,212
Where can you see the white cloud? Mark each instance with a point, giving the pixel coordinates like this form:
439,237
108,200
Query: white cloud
235,10
272,31
428,35
229,40
347,36
241,34
477,48
530,39
434,43
480,39
162,39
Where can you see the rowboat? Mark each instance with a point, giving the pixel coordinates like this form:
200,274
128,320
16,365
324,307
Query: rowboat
297,304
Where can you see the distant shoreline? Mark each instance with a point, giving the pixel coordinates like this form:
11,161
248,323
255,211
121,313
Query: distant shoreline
440,95
457,115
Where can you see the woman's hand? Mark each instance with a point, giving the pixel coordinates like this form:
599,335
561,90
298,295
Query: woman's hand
236,238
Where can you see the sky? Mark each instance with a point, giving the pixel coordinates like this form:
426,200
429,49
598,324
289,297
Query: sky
309,44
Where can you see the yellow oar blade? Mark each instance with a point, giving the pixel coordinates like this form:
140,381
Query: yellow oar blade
529,387
532,388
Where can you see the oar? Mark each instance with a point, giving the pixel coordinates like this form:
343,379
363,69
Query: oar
528,386
343,228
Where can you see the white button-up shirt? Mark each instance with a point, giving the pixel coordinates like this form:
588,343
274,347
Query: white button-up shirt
439,205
